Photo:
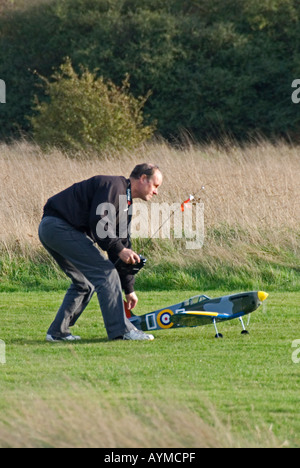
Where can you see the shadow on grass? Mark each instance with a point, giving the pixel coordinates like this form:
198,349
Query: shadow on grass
42,341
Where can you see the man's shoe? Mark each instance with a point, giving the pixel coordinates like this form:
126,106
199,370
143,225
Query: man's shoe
137,335
55,339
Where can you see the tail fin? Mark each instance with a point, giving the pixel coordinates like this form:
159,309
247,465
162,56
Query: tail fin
128,312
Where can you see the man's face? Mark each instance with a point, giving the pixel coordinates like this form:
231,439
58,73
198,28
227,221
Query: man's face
149,187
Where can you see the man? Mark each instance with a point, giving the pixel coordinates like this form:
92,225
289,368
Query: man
96,210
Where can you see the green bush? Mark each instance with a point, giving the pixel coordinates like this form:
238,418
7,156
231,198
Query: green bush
84,112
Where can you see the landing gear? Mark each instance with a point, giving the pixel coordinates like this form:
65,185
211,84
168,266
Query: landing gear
218,335
244,331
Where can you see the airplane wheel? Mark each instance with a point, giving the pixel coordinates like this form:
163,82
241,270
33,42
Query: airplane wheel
245,332
219,335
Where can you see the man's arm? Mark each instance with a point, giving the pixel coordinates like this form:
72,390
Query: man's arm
104,227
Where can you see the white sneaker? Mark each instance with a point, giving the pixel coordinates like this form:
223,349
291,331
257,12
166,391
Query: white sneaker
55,339
137,335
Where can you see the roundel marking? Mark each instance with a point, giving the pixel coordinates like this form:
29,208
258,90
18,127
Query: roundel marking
164,318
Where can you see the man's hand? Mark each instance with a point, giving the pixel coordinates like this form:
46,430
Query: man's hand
131,300
129,256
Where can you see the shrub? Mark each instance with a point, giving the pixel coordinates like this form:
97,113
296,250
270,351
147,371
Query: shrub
85,112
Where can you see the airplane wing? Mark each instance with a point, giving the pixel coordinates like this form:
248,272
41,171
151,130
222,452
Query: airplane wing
196,318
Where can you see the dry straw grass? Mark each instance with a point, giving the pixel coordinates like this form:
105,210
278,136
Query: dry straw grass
250,193
92,422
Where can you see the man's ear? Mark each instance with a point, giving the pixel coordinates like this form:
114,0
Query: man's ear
143,178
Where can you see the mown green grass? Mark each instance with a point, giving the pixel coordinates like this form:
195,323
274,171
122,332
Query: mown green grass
249,383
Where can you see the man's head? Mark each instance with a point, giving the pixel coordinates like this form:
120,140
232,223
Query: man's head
145,180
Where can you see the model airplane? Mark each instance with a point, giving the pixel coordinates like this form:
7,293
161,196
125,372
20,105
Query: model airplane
200,310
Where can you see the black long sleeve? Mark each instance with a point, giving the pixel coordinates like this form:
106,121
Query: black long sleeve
94,206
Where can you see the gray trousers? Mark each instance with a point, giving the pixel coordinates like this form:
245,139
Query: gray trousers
89,271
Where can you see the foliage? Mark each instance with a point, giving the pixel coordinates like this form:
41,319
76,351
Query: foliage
214,67
85,112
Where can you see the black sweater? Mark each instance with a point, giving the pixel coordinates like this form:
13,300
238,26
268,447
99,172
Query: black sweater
81,204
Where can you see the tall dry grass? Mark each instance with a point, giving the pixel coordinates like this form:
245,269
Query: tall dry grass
255,190
92,422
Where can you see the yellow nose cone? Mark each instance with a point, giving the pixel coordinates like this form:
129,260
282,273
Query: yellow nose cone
262,296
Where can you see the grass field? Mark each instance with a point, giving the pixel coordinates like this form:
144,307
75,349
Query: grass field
185,389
